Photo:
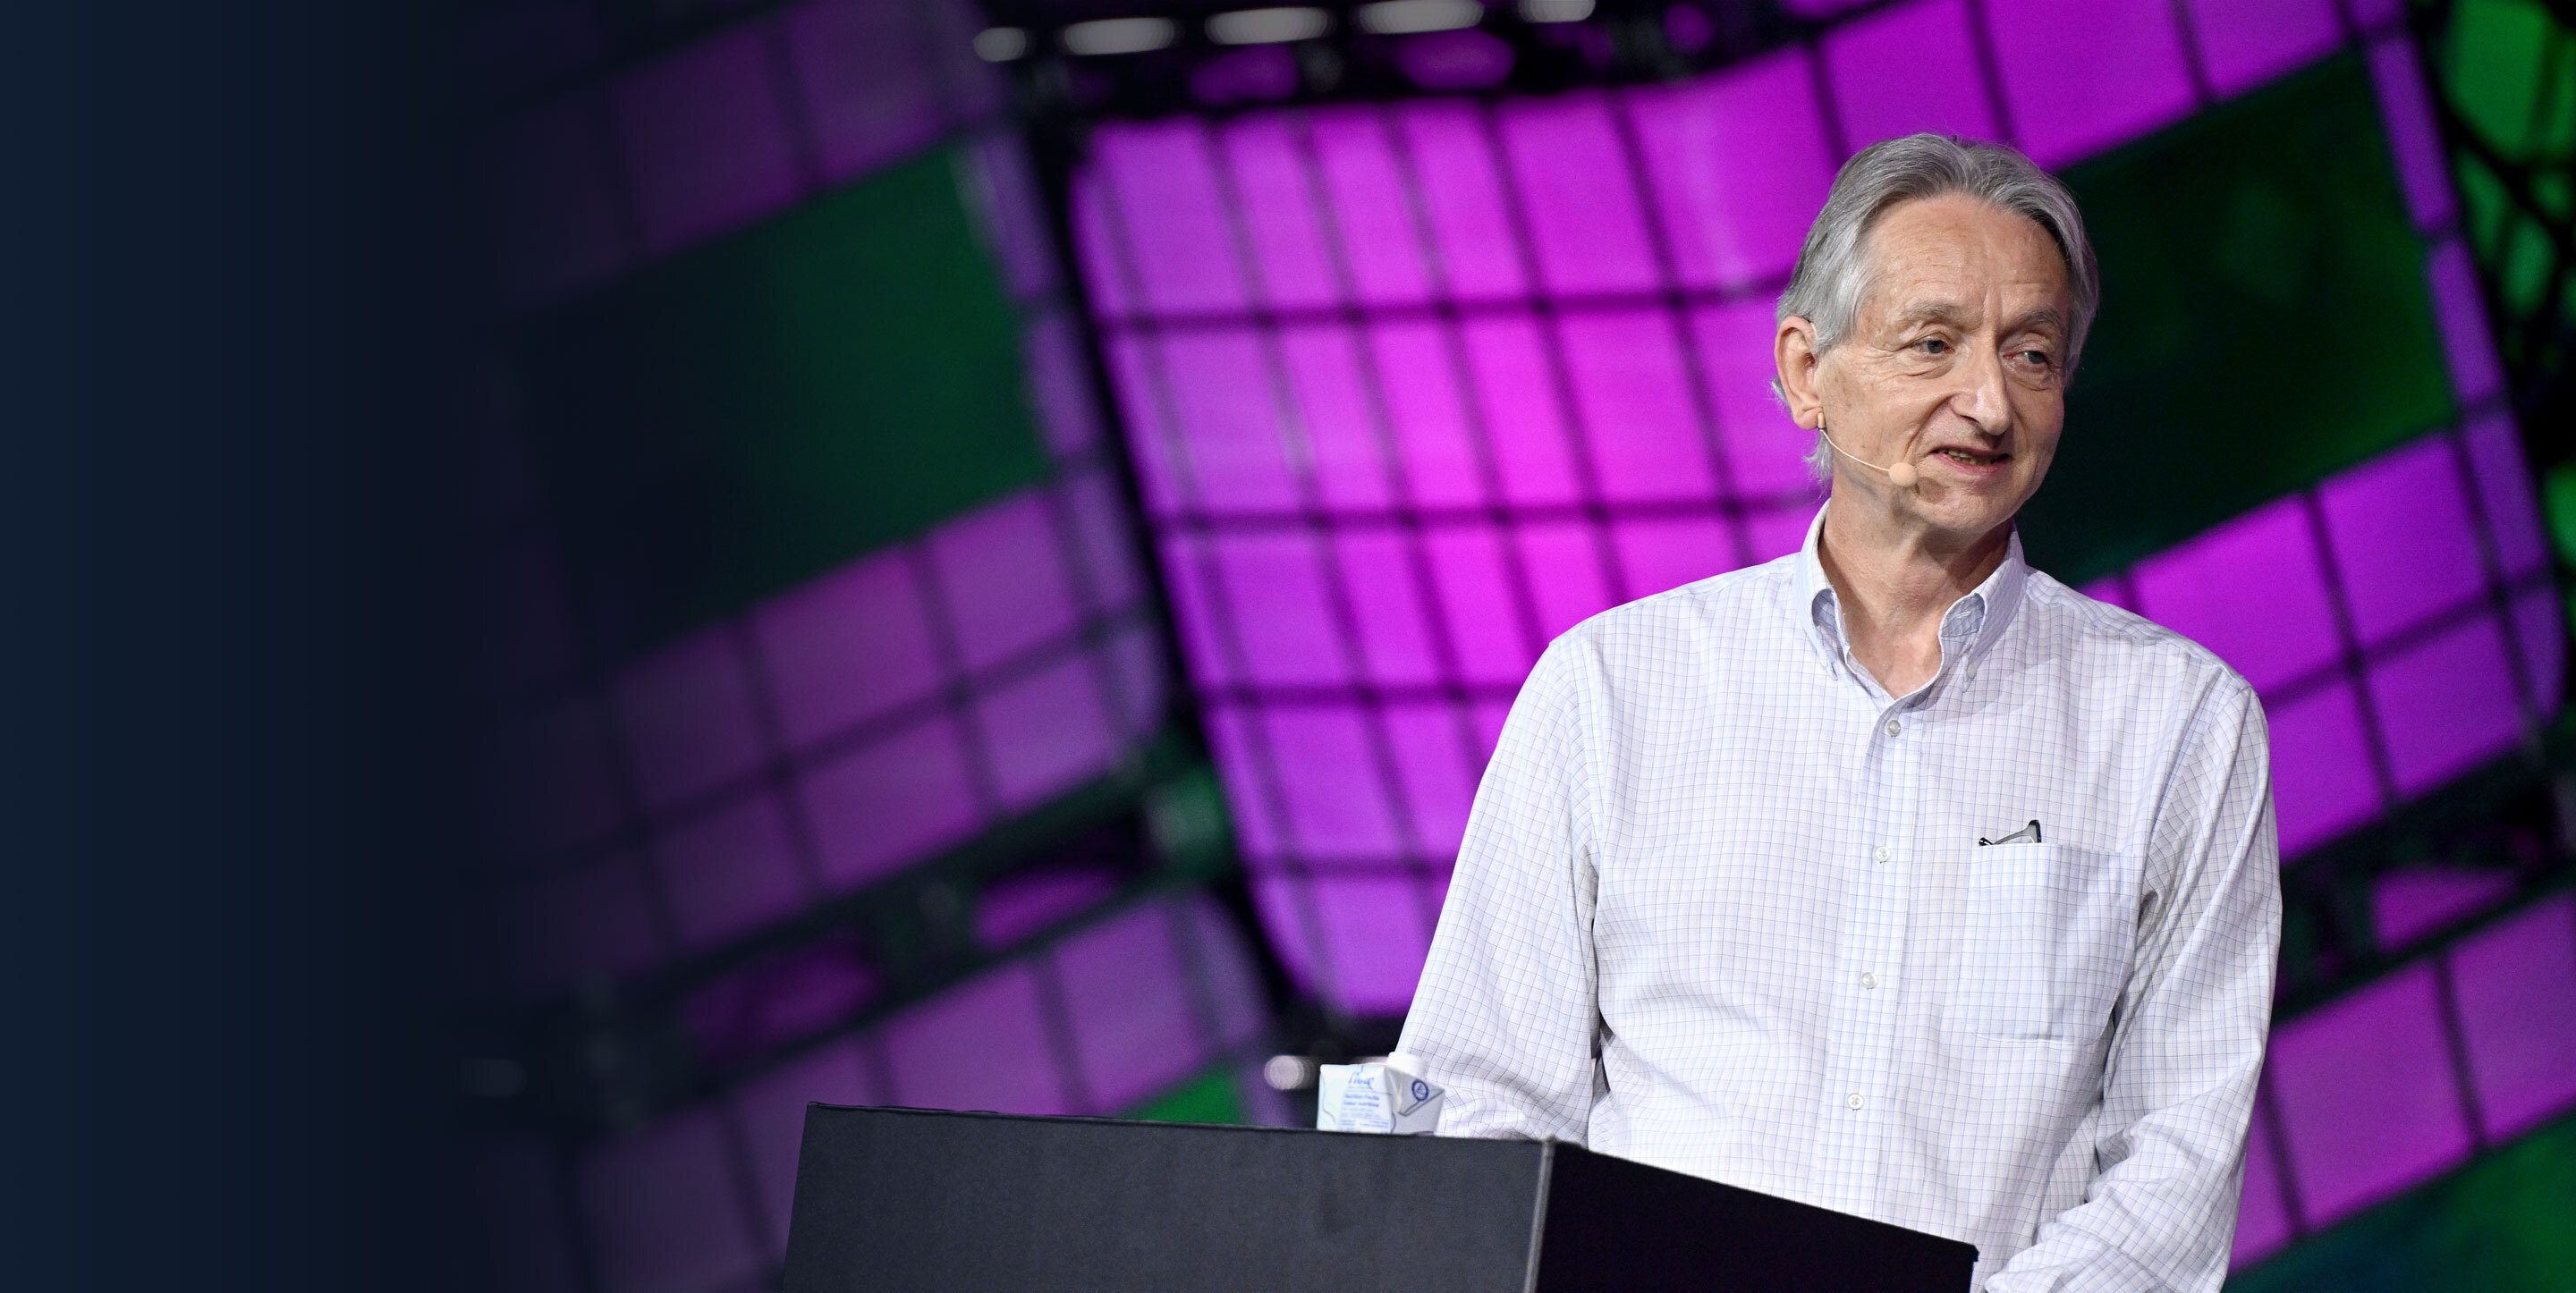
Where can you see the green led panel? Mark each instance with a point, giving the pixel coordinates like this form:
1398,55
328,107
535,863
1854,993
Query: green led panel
2508,67
2265,322
2499,1225
735,420
2512,77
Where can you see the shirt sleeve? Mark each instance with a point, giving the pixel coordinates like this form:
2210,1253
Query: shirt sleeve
2168,1141
1505,1016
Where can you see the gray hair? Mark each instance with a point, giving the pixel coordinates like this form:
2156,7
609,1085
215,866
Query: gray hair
1833,273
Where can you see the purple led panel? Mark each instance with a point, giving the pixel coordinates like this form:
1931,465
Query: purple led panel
722,132
838,731
878,80
2243,45
1413,387
783,995
1386,472
2368,1102
2263,1209
2451,1055
1907,69
1109,1017
2518,1017
2082,75
1737,166
643,809
1140,1020
983,1045
1118,1013
1013,908
770,1110
732,870
2407,905
707,139
826,739
2382,617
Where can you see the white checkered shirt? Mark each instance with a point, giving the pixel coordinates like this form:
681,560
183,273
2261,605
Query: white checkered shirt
1722,908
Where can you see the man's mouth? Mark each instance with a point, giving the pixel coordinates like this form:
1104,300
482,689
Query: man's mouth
1971,458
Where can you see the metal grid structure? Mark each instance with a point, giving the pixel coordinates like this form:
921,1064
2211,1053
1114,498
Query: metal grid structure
1414,387
1410,391
920,828
2458,1050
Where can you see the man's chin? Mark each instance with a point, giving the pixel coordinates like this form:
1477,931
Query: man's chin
1970,516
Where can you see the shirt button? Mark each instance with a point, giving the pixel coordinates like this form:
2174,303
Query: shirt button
1881,854
1894,727
1868,980
1852,1101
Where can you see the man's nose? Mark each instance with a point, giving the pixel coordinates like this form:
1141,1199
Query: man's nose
1980,397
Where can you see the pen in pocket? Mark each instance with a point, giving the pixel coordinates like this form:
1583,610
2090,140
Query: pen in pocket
2026,835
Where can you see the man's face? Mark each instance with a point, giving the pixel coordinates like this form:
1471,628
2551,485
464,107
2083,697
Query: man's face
1955,363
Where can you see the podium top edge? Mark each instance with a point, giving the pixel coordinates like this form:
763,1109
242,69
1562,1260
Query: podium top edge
1062,1118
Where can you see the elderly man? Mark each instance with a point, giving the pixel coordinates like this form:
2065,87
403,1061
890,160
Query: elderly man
1894,875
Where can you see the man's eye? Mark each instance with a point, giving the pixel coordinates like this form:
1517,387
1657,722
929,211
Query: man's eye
1933,346
2035,358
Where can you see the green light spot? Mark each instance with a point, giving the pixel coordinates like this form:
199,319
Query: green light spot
1213,1096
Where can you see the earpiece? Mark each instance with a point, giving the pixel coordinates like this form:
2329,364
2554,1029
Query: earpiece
1902,475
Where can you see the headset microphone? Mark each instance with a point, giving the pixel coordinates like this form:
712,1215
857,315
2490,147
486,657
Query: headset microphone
1902,475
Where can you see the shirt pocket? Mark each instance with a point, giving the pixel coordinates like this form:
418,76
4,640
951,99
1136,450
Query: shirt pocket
2050,929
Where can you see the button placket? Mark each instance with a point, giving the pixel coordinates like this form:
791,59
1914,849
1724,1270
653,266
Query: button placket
1882,943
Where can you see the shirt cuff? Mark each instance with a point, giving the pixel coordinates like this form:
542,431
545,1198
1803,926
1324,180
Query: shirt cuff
2104,1269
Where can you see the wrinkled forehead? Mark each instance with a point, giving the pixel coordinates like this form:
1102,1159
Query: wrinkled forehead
1953,254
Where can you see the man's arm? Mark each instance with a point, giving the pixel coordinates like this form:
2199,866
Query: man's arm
2168,1142
1505,1016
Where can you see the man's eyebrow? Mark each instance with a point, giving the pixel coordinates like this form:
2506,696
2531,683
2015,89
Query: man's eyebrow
1949,312
1956,315
2046,316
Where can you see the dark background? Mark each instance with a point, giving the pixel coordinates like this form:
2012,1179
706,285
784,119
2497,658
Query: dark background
223,299
237,309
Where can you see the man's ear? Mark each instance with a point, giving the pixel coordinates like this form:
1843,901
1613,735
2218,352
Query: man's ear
1793,350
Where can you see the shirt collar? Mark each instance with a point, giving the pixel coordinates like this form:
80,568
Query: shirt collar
1968,629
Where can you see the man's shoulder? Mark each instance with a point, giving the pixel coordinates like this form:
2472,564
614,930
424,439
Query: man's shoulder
2065,622
1657,635
1684,617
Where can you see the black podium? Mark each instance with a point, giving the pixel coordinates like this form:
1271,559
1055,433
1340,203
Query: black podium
909,1199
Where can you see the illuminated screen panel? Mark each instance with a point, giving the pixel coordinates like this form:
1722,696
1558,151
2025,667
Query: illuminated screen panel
720,134
2411,903
1411,388
1160,998
2395,619
833,735
2520,1038
2263,1208
2258,217
2368,1100
770,639
2380,1091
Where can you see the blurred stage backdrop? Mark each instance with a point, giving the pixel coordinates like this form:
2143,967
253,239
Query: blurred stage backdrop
1008,534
